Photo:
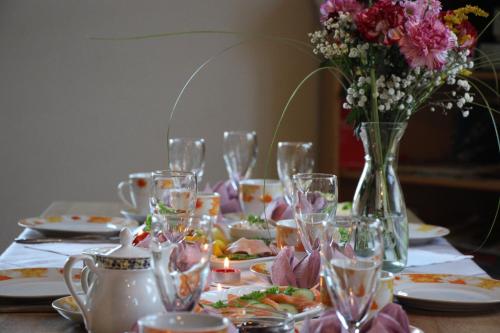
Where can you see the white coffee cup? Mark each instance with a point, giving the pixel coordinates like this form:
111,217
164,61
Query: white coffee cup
138,187
253,197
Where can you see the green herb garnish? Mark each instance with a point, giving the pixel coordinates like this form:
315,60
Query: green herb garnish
219,305
344,234
239,256
289,291
147,223
254,219
255,295
162,209
272,291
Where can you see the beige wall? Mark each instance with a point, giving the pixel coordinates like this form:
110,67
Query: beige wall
78,115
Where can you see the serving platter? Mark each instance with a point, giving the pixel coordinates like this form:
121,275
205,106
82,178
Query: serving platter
216,262
39,282
424,233
447,292
77,224
237,231
262,270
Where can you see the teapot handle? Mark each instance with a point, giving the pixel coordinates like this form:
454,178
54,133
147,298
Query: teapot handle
81,300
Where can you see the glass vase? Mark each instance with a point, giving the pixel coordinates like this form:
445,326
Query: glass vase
379,195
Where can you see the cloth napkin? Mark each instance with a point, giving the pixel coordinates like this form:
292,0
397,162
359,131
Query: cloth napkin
421,257
290,271
229,201
277,210
391,319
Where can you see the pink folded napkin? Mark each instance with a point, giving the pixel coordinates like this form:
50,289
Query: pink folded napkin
229,201
277,210
290,271
391,319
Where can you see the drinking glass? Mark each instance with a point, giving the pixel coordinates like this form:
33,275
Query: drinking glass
181,269
172,201
315,201
352,253
187,154
293,158
240,155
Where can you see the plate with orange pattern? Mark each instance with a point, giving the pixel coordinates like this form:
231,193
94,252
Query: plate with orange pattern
423,233
77,224
37,282
447,292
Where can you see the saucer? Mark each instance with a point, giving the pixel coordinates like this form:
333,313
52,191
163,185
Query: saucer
133,215
68,309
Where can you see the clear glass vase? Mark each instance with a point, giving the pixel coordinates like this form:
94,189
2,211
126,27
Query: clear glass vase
379,195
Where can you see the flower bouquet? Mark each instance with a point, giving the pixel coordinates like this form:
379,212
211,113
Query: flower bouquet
392,57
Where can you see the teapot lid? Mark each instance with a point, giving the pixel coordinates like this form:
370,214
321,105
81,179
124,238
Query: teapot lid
126,249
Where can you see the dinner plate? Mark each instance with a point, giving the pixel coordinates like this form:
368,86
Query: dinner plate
68,309
236,232
424,233
133,215
239,264
34,282
262,270
77,224
447,292
221,295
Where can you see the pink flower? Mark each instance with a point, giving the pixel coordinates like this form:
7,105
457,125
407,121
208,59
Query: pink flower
330,7
426,43
382,22
421,9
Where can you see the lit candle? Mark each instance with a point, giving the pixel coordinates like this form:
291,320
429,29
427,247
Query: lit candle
226,274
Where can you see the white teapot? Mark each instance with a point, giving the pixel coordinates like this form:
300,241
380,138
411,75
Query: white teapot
119,289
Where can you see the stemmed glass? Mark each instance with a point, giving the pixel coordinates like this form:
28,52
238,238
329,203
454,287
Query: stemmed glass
315,202
293,158
187,154
240,155
352,252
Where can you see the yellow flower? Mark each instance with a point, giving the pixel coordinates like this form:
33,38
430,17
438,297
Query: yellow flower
459,15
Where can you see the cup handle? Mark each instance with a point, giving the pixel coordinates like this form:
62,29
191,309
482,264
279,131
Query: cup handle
81,300
121,194
85,279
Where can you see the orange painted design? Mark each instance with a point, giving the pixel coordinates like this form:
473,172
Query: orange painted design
99,219
266,198
77,276
489,284
4,277
214,209
397,278
374,305
199,203
458,281
32,272
61,271
76,218
166,183
247,197
427,278
248,192
141,182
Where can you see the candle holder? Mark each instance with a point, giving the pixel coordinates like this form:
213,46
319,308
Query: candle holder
226,274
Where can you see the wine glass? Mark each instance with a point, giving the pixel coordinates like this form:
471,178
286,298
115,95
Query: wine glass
293,158
315,202
187,154
240,155
352,253
172,201
181,269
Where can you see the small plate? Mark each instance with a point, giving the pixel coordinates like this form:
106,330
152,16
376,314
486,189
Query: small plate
133,215
68,309
37,282
77,224
236,232
239,264
424,233
447,292
262,270
221,295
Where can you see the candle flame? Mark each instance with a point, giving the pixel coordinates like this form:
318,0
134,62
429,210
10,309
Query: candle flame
219,287
226,263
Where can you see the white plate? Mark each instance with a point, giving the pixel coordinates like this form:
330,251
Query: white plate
262,270
221,295
133,215
77,224
239,264
447,292
67,308
424,233
236,232
34,283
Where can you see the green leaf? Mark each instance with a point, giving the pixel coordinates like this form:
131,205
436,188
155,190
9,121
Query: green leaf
289,291
255,295
272,291
219,305
254,219
147,223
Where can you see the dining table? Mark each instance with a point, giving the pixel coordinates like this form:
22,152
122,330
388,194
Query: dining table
42,318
